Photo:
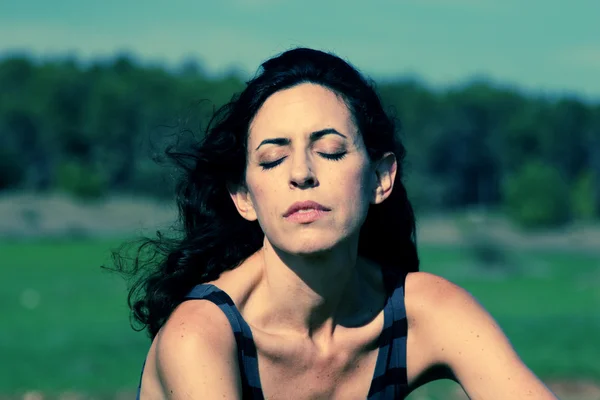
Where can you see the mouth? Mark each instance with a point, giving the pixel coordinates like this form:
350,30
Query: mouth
305,207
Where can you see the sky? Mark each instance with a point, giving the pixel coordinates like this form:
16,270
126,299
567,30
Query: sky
540,46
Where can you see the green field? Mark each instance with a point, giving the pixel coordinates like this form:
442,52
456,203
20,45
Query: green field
65,323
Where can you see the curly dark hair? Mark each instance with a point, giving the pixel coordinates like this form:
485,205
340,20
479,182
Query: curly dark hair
214,237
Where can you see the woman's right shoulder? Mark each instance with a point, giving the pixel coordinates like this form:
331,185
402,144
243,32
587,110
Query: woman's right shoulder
196,320
201,325
197,341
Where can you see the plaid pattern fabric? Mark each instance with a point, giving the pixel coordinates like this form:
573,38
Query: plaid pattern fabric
389,380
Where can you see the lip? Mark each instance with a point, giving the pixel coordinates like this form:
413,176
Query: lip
305,205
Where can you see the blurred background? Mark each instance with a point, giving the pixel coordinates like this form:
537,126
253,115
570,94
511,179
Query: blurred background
500,108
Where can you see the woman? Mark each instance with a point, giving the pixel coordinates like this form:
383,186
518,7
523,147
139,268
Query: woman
297,274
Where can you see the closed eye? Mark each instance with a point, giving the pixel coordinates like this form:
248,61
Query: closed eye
335,157
273,164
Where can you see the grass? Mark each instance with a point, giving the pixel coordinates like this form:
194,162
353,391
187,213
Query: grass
66,324
548,307
77,336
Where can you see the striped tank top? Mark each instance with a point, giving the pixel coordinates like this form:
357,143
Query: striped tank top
389,379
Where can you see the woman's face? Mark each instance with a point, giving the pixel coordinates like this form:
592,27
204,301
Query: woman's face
304,146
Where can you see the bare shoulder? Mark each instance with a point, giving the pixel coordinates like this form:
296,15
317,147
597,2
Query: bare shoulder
430,300
455,331
429,286
430,297
196,353
435,299
192,323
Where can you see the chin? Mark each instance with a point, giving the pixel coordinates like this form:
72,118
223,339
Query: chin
311,244
309,250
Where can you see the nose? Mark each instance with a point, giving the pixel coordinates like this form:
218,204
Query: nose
301,174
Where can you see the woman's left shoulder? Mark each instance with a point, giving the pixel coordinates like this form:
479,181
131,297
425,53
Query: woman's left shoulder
451,329
430,298
428,289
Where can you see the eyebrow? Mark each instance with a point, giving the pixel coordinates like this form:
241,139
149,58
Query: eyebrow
314,136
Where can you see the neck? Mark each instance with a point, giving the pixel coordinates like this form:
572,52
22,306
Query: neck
315,293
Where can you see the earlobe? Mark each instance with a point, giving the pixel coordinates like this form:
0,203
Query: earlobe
385,172
243,202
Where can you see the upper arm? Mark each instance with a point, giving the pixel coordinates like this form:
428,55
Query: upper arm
464,337
196,354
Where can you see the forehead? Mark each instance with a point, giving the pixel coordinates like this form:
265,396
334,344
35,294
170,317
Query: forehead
301,109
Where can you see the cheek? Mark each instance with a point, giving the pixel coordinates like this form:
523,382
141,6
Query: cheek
355,182
263,195
354,191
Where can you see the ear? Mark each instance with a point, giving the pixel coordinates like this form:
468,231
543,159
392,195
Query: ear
385,171
243,201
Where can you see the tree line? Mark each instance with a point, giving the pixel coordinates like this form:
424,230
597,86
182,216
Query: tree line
92,130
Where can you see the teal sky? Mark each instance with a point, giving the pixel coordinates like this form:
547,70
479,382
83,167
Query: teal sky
550,46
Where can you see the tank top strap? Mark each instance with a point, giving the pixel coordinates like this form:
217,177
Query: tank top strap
246,348
397,366
399,329
390,379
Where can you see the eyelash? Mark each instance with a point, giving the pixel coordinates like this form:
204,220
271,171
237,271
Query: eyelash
333,157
